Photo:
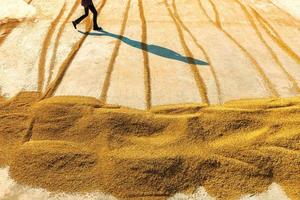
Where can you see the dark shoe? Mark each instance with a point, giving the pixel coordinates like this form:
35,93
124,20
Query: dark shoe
74,24
97,28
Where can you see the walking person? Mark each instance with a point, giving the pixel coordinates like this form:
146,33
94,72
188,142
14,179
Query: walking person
88,5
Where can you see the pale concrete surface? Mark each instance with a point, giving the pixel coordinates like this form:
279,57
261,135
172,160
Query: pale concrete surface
290,6
251,48
16,10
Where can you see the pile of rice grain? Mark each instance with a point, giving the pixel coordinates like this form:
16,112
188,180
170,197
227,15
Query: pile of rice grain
78,144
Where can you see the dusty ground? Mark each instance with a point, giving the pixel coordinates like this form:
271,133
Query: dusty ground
250,46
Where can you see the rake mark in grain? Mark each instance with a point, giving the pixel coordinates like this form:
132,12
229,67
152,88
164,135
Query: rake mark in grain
147,75
115,54
270,30
294,20
198,79
268,85
217,82
271,51
57,40
65,65
6,29
217,15
3,38
45,46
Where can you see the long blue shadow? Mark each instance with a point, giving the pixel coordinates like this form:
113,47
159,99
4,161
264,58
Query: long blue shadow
154,49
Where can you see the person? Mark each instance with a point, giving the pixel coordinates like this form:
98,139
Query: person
88,5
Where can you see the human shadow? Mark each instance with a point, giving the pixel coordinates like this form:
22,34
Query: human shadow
153,49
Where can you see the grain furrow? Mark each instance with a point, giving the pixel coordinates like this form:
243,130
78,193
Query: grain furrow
57,40
44,50
147,74
258,69
294,20
217,15
50,91
270,30
198,79
16,24
211,66
114,55
271,51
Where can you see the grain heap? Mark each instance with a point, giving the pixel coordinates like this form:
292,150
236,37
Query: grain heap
79,144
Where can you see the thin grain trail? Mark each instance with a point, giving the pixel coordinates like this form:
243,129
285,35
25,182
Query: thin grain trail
270,30
8,31
57,40
147,73
267,83
212,69
217,15
115,54
67,62
44,50
294,20
271,51
198,79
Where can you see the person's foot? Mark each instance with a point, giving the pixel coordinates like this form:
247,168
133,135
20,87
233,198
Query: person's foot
98,28
74,24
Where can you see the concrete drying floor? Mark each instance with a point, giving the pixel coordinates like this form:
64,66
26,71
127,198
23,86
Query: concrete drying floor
239,49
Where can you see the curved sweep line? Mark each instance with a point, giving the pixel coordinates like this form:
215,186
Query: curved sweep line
7,29
268,85
294,20
57,40
198,79
212,68
65,65
270,30
271,51
217,15
147,74
115,54
3,38
45,46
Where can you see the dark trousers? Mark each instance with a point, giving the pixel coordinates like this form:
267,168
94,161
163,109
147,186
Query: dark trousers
86,13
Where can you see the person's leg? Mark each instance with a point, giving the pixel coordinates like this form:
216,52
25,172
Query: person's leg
86,13
95,15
